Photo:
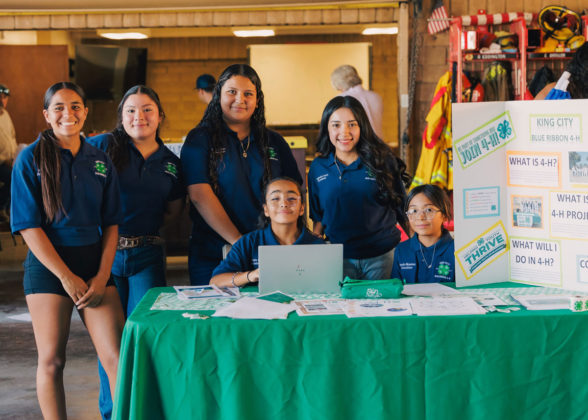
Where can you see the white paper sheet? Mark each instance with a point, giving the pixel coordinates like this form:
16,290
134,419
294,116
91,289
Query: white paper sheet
207,291
252,308
446,306
319,307
543,302
428,289
376,307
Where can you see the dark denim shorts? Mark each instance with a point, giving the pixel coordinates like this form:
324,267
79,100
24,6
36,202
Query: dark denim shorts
83,261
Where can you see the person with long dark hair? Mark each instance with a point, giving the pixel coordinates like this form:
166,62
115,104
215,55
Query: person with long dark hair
227,159
152,192
356,190
283,222
66,205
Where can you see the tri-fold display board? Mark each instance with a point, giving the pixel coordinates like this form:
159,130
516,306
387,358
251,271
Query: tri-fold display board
521,193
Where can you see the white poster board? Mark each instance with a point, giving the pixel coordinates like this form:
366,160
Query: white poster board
296,78
521,193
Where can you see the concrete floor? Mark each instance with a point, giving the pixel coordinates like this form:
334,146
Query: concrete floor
18,355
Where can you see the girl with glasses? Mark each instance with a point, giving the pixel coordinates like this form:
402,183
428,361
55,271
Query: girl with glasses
283,223
428,256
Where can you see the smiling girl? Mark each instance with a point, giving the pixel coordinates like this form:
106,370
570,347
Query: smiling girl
356,190
152,192
428,256
284,224
226,161
65,204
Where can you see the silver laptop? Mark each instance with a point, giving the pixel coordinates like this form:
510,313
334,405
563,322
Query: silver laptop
300,268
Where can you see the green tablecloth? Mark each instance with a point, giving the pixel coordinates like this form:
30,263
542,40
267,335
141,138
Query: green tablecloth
523,365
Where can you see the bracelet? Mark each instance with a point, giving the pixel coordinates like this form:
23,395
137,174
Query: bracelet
248,281
233,278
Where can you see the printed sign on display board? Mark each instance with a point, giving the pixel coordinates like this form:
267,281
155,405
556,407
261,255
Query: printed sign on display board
521,193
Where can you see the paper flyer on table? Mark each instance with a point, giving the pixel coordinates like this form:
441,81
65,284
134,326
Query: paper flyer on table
207,291
318,307
543,302
437,306
253,308
355,308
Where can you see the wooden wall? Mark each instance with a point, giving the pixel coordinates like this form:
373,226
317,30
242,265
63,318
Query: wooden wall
434,51
28,70
174,64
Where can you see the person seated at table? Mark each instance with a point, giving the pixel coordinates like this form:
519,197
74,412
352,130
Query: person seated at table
428,256
284,224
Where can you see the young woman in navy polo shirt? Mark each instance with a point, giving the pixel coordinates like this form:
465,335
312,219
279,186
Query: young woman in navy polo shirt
151,191
356,190
284,224
428,256
65,204
226,161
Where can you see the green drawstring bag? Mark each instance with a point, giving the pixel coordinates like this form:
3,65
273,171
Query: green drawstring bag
371,289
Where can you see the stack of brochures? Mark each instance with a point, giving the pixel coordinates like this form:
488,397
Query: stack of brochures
208,291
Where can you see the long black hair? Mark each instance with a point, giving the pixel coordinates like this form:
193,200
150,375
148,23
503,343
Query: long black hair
214,123
264,220
118,149
47,156
578,68
374,153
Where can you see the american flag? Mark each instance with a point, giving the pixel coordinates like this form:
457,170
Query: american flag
439,21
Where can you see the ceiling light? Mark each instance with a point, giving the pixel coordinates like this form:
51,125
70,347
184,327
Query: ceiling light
123,35
380,31
255,32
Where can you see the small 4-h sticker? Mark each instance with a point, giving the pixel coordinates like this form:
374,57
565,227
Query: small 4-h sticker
171,169
100,168
272,154
443,269
578,305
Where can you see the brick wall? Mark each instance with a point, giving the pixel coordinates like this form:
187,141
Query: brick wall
174,64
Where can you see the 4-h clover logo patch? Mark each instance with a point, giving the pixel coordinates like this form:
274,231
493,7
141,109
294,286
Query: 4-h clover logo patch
504,129
578,305
272,154
443,269
171,169
100,168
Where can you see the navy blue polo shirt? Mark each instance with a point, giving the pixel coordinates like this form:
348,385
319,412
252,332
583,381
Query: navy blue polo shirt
410,264
146,187
344,199
239,181
244,254
89,191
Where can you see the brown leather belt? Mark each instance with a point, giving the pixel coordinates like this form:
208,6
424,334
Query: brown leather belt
126,242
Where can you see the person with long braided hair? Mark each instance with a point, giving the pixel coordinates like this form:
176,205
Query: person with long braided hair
152,192
227,159
66,205
357,190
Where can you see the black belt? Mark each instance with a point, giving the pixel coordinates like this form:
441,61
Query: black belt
126,242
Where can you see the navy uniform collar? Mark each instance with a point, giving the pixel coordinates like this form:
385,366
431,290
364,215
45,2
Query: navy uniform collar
270,238
443,240
354,165
159,150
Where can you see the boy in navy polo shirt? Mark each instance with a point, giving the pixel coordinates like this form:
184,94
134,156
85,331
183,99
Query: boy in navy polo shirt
428,256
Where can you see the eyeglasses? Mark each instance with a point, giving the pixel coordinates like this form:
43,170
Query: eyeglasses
429,213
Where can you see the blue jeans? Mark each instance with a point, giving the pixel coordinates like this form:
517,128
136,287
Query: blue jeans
135,271
375,268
